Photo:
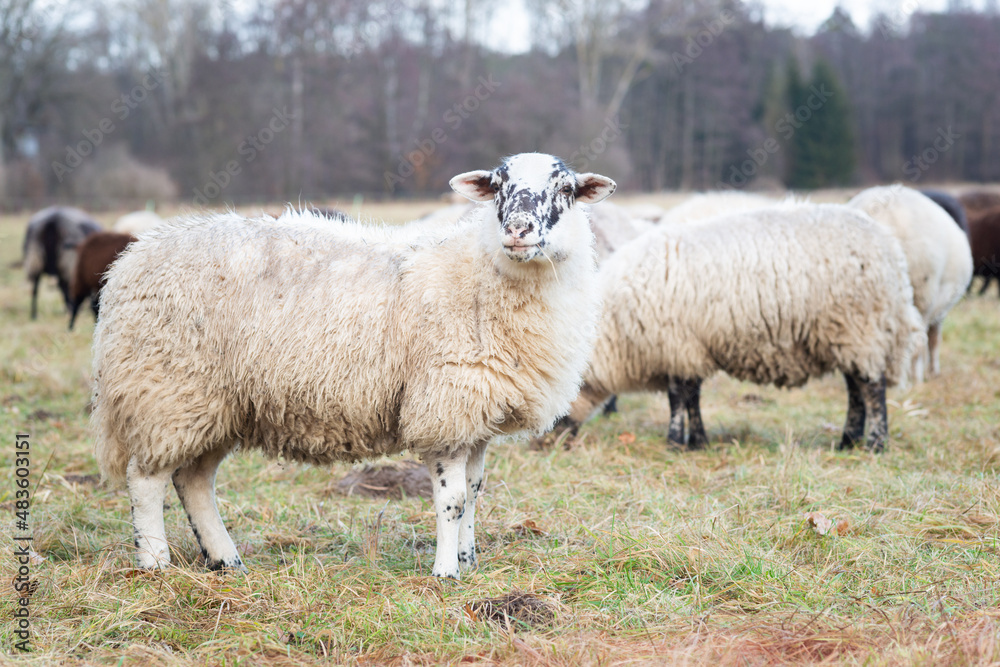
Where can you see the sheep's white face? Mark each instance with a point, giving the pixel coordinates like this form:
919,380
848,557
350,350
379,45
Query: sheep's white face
532,193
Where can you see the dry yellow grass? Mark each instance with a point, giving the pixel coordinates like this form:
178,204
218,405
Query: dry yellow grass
646,555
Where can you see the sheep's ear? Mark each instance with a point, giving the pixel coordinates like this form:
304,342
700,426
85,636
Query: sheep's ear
476,185
592,188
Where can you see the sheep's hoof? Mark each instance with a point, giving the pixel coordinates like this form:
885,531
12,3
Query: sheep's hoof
847,442
222,567
697,440
876,445
456,576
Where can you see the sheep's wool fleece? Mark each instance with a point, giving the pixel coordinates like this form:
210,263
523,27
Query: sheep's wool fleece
937,250
777,295
320,341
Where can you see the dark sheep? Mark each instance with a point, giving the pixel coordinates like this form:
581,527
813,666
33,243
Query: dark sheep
94,256
984,238
951,205
50,245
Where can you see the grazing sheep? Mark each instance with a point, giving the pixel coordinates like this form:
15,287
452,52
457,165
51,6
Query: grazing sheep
977,202
984,237
136,223
321,343
937,256
94,256
50,247
773,296
951,205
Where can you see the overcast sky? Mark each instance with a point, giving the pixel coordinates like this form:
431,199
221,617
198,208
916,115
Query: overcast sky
510,28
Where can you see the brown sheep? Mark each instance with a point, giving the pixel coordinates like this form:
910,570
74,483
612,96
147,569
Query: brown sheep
94,256
977,202
984,238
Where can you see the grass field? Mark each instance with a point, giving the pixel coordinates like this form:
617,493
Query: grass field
637,553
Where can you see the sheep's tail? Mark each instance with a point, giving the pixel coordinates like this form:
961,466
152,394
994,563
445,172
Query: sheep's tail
911,340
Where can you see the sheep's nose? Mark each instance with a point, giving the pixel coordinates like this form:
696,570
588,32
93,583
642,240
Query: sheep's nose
519,230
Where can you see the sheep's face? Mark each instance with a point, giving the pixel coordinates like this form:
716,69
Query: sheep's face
533,194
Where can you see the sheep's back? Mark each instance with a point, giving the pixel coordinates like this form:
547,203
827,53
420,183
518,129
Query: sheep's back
283,337
773,296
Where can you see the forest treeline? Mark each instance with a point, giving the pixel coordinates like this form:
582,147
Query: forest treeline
193,100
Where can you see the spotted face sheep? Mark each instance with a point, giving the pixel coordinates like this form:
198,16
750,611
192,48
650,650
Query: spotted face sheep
94,256
774,296
322,343
50,247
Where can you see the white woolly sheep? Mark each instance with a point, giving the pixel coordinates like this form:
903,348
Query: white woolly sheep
321,343
50,247
137,222
937,255
707,205
774,296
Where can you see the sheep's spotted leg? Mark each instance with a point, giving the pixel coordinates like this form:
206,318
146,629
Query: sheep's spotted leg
448,475
147,492
933,347
675,432
854,427
195,484
697,438
873,394
473,482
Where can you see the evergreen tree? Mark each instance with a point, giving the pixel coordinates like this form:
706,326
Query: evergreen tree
823,143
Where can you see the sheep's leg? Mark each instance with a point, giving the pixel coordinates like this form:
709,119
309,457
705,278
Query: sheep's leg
675,432
448,473
933,347
697,438
64,288
147,492
467,531
74,307
854,428
34,297
873,394
611,406
195,484
986,285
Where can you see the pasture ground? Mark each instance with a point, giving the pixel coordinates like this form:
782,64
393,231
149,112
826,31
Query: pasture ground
639,554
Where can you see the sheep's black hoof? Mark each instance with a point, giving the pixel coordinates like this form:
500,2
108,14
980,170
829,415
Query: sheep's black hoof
227,567
697,440
611,406
876,445
846,442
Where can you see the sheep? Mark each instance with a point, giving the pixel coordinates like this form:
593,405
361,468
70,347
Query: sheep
94,256
984,236
937,256
137,222
322,343
613,226
707,205
773,296
951,205
977,202
50,247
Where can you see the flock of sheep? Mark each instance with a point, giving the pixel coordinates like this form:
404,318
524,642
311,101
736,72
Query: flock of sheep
321,339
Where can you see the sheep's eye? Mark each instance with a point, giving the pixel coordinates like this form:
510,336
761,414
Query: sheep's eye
567,190
495,186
